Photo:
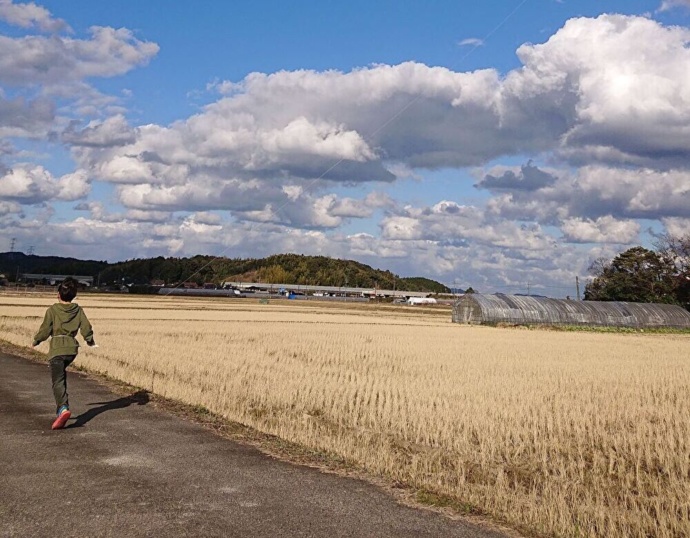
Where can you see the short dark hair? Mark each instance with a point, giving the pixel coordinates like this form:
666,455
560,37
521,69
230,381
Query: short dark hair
67,290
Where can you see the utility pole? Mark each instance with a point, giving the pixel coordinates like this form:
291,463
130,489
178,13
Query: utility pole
528,283
30,252
13,242
577,286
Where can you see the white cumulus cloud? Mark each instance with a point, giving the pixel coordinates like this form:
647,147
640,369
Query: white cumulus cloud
602,230
56,60
32,184
30,15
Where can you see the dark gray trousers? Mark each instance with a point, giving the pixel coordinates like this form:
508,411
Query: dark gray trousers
58,371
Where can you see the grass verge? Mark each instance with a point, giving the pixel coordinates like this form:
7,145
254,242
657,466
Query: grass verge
593,329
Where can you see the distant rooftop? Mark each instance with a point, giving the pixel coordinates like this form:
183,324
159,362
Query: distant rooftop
54,278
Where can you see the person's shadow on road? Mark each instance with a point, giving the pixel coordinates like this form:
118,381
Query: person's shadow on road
139,398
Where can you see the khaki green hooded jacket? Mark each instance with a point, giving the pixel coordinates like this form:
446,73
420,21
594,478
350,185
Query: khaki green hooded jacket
62,321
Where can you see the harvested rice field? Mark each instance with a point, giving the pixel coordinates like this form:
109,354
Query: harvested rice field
560,433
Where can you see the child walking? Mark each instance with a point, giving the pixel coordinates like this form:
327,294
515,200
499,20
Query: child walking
61,323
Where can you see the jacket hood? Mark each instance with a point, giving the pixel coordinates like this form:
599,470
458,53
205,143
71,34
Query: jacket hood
66,312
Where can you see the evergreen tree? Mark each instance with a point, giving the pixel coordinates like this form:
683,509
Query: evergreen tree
636,275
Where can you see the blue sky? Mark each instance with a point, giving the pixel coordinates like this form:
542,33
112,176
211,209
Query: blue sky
488,144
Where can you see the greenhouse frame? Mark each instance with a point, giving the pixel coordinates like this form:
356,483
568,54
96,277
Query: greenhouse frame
480,309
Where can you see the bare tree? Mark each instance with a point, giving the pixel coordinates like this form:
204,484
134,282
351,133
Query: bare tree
676,249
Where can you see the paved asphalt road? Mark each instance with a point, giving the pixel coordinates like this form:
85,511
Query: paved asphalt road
123,468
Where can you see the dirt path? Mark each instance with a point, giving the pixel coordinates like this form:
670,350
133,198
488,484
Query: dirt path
124,468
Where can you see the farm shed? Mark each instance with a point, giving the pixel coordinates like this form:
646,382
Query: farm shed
489,309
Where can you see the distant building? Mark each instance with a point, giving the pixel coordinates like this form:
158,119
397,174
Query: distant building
421,300
52,280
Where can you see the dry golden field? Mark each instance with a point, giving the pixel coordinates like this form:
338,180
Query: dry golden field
566,434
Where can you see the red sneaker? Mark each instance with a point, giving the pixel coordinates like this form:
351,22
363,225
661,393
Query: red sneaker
61,419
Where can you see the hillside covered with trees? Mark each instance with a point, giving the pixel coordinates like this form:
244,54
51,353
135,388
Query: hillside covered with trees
281,268
13,263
